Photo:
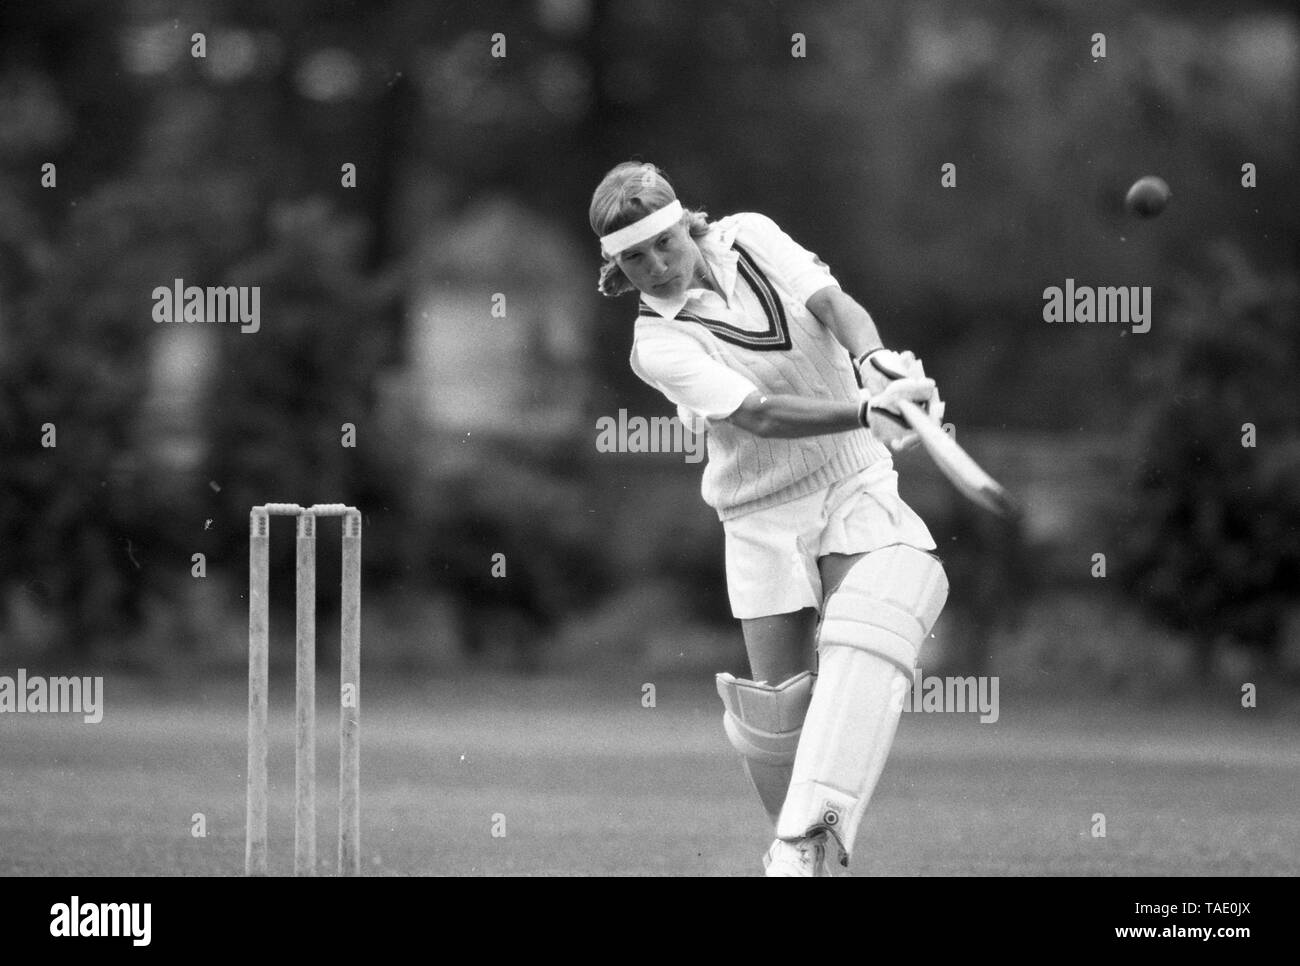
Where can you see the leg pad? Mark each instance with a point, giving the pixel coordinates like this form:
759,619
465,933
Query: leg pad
763,723
871,634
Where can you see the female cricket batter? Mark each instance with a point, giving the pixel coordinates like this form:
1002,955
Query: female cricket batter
750,336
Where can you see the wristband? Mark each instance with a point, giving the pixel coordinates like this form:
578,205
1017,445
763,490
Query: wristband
865,409
860,360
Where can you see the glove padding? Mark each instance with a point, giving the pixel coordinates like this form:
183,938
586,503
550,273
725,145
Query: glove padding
888,376
878,368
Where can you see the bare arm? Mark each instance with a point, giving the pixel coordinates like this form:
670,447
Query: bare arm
848,321
787,416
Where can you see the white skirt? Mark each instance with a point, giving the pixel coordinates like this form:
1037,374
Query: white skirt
772,553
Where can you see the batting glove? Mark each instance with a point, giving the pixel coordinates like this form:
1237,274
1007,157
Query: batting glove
880,413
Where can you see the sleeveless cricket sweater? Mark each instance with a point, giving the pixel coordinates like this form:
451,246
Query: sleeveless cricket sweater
792,353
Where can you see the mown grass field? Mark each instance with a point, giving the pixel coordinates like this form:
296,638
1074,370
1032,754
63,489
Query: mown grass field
583,780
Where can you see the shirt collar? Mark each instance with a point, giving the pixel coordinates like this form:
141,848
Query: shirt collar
716,247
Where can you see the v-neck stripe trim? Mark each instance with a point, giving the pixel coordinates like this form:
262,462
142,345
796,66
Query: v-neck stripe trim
775,338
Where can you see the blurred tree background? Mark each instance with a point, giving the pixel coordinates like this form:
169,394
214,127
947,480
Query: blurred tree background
227,169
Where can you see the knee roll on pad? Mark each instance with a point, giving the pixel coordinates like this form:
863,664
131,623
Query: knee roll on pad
763,723
871,632
886,604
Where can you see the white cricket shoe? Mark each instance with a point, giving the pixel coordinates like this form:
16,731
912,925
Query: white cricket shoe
802,858
834,860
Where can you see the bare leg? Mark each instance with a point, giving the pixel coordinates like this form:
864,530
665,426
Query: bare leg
780,646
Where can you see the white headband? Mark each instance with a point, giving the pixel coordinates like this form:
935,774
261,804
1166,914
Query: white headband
649,226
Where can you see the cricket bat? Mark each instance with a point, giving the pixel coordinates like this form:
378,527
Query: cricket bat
956,464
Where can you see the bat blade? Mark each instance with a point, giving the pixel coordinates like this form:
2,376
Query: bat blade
956,464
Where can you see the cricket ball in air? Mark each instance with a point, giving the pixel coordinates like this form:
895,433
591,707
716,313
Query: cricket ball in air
1148,196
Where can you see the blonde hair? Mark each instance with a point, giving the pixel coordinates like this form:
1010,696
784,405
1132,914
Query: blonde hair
628,193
